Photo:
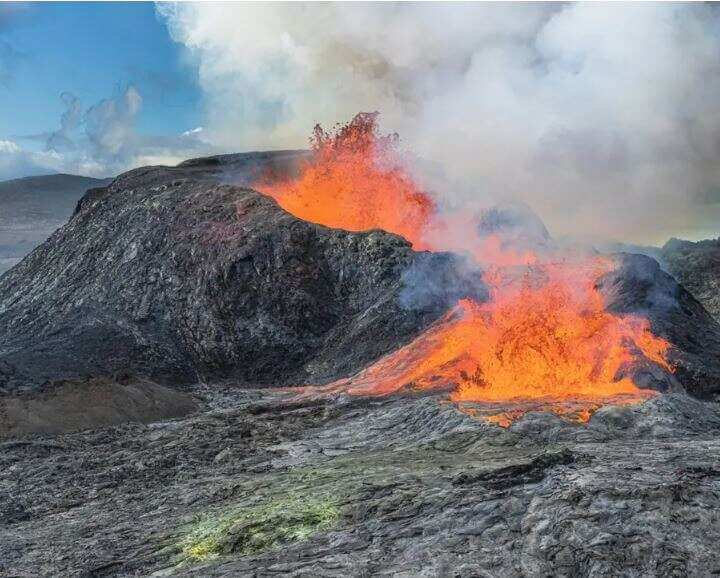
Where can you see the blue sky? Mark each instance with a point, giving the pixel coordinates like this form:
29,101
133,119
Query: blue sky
93,51
90,49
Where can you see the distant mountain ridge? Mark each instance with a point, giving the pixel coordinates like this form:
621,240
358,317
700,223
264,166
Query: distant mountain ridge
31,208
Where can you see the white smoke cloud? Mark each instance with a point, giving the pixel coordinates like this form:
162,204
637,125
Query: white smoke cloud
602,117
110,125
70,120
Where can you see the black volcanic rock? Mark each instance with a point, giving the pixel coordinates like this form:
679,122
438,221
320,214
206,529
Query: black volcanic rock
404,485
171,275
697,267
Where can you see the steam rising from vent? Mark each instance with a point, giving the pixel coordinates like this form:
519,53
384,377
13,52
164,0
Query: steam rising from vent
601,117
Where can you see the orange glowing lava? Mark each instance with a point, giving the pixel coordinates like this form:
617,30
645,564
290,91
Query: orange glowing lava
355,181
548,336
543,335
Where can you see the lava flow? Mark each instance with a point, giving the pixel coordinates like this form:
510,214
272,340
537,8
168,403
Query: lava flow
544,335
548,338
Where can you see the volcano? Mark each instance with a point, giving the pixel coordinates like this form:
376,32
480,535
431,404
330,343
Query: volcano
171,275
312,398
547,329
176,276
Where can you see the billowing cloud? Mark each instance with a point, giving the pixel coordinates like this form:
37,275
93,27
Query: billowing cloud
18,162
602,117
101,140
110,126
70,120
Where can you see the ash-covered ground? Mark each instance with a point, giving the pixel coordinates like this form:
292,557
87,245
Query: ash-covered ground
258,484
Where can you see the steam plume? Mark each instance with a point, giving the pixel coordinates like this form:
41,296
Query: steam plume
603,118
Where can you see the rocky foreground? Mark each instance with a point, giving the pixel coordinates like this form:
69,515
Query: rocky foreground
259,484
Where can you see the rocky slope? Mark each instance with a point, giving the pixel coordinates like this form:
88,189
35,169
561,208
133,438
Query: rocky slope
171,275
697,267
639,286
34,207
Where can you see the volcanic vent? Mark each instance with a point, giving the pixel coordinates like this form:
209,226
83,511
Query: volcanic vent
543,334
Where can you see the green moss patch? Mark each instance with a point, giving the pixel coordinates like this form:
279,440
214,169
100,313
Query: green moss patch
254,530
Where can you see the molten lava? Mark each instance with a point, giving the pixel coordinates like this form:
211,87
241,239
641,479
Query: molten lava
355,181
543,335
548,337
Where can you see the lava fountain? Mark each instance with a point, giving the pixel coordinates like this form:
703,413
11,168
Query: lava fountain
356,181
544,335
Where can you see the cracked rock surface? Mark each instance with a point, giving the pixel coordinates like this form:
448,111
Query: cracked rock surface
261,484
